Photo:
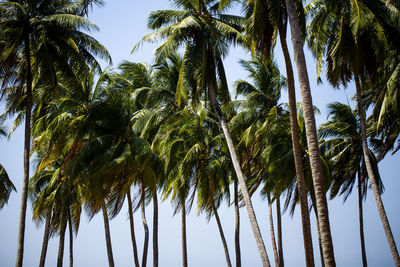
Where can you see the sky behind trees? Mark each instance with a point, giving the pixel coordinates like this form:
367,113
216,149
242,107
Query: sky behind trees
122,23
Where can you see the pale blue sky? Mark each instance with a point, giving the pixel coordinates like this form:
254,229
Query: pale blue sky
122,24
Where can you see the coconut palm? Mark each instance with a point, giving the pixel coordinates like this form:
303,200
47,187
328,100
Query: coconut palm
265,19
345,153
206,34
53,28
342,33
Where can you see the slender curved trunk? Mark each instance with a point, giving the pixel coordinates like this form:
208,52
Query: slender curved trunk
61,244
237,224
239,174
155,230
312,140
108,235
27,148
221,233
45,240
145,226
184,244
360,216
314,203
71,241
279,226
371,176
132,226
298,162
272,232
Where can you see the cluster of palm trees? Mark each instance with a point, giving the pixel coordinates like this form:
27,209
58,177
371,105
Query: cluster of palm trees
132,133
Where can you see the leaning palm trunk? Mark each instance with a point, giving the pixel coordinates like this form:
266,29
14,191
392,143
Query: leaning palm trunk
108,235
145,226
312,141
272,232
71,241
184,244
155,230
45,240
132,226
239,174
237,224
27,143
61,244
298,162
371,176
221,233
279,226
360,215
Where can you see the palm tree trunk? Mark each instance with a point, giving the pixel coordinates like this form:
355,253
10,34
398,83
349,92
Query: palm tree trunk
61,244
108,235
298,162
45,240
239,174
132,226
237,224
27,143
279,226
272,232
155,230
371,176
221,233
145,226
184,244
71,241
314,203
312,140
360,214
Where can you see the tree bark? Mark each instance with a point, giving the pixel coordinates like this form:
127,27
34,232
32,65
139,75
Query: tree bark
371,176
108,235
314,203
221,233
239,174
360,214
279,226
155,230
71,241
145,226
27,148
184,244
61,243
312,140
132,226
45,240
272,232
297,154
237,224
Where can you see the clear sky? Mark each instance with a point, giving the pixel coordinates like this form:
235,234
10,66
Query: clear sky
122,23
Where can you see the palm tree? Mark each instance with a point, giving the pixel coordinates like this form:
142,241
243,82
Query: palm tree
53,27
345,153
262,99
206,33
345,32
312,140
263,20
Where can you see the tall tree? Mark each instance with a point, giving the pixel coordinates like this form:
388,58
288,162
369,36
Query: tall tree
344,151
351,39
312,140
265,19
206,33
39,37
